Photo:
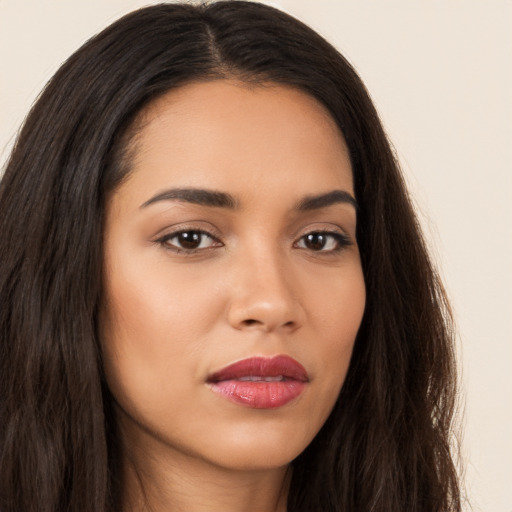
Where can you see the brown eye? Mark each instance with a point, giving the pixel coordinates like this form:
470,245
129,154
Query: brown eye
190,240
315,241
323,241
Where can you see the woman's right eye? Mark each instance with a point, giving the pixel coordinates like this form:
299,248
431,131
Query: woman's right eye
189,240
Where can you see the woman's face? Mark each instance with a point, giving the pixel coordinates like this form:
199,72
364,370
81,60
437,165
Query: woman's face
232,241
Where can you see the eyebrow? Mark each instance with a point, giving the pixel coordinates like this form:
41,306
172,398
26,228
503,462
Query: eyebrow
195,196
216,199
316,202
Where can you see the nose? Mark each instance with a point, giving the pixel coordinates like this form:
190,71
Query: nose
265,295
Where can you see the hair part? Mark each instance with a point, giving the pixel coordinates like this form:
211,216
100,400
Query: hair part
386,444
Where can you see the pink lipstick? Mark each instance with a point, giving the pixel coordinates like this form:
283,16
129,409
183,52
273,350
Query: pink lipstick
260,382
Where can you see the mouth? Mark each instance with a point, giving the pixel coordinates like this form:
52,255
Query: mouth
260,382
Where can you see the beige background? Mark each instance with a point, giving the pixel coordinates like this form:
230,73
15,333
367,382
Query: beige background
440,73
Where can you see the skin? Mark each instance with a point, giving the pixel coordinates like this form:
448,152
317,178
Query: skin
255,286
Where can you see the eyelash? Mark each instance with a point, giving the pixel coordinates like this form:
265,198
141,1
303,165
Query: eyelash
341,240
164,241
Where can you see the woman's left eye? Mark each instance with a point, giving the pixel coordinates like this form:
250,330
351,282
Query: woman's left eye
189,240
323,241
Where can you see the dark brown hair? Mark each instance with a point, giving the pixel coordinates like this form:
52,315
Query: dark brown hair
386,445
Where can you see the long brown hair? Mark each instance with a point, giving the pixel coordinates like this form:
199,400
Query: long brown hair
386,445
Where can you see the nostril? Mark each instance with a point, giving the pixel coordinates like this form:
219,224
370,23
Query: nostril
250,321
255,313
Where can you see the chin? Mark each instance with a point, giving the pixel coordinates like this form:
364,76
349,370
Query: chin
257,448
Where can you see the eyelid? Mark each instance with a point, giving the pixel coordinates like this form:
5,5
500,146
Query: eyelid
322,227
167,234
343,239
202,226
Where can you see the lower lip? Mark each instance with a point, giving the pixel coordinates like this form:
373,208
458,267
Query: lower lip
259,394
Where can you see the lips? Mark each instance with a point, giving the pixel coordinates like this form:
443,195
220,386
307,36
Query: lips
260,382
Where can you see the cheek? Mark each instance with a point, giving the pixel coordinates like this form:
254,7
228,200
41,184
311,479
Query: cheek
159,304
153,324
340,322
337,308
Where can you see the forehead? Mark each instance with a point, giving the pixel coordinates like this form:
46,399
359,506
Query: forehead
222,133
224,97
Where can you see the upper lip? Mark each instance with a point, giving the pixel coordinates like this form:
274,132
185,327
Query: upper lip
277,366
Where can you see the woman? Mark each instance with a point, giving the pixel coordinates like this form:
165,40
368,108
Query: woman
215,295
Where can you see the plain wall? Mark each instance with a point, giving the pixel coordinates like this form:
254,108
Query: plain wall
440,74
